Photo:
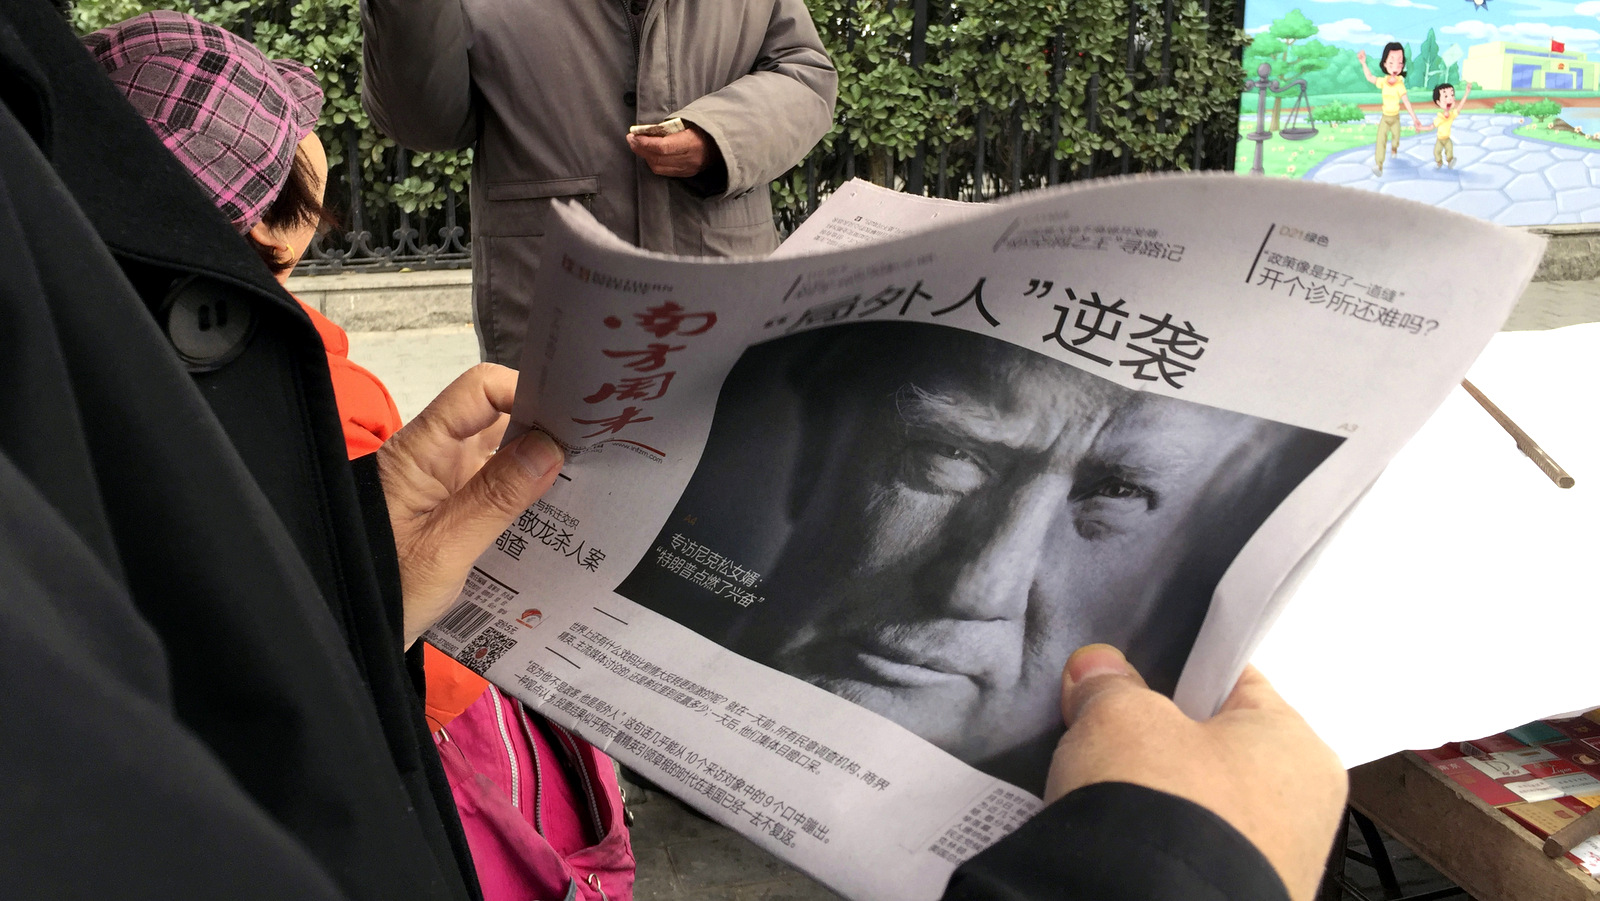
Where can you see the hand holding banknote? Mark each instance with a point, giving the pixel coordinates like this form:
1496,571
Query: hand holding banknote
676,154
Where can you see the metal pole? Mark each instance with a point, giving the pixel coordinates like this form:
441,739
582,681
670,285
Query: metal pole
352,175
1133,28
1200,125
1166,61
977,181
1093,110
1166,43
405,237
919,52
1057,48
849,46
451,234
1016,147
1262,84
1259,166
811,185
360,239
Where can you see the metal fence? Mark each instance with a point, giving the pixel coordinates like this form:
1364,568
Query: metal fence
387,238
1010,149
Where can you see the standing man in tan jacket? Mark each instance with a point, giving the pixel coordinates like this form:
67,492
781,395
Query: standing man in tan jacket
546,91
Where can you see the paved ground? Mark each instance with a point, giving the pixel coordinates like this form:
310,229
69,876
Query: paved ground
416,364
682,856
1498,175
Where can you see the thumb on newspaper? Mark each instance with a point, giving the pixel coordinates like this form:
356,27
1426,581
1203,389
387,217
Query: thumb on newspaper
1257,765
1104,700
450,495
1093,672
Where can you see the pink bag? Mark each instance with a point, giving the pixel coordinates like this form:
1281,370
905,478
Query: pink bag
502,767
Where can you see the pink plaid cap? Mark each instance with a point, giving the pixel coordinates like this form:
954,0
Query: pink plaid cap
232,116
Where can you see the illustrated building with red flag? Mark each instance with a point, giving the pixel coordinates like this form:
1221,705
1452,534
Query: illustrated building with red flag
1504,66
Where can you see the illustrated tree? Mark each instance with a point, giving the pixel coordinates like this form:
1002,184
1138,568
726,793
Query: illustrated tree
1343,75
1288,46
1428,68
1452,58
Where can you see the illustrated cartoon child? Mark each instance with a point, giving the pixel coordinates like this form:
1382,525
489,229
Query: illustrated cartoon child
1444,97
1393,86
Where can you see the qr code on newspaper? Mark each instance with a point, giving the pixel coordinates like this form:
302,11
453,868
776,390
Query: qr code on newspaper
484,650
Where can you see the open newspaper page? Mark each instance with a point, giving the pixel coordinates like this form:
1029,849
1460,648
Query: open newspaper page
862,213
831,522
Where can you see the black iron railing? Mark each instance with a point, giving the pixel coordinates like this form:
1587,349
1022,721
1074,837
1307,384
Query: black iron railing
403,240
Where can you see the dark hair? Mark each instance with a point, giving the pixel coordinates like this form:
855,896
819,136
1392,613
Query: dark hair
1439,89
1383,57
295,205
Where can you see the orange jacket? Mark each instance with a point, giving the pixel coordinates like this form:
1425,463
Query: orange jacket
369,417
366,410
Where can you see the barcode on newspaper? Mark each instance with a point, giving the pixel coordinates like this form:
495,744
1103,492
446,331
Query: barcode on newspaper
996,813
463,622
484,650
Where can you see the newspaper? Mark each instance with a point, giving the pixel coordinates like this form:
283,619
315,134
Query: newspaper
861,213
832,521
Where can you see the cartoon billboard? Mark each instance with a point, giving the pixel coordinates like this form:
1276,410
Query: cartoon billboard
1487,107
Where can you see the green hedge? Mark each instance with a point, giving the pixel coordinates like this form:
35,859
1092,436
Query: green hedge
994,55
1338,111
1533,109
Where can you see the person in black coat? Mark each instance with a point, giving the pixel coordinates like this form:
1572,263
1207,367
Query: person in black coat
206,688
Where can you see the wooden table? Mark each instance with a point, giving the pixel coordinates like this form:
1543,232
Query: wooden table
1490,855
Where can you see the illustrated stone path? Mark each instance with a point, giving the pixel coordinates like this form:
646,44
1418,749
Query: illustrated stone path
1498,175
